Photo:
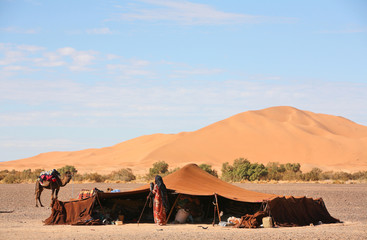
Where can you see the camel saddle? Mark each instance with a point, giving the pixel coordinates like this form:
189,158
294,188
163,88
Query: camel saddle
49,176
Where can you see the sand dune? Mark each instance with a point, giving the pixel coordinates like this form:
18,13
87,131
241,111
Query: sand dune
277,134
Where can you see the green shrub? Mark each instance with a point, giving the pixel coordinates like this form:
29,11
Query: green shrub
257,172
242,170
11,178
78,177
3,174
208,168
294,167
313,175
274,171
227,172
159,168
342,176
93,177
327,175
361,175
66,168
125,174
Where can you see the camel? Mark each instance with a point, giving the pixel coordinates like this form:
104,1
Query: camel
54,186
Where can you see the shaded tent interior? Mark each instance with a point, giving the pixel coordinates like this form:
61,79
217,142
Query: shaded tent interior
193,182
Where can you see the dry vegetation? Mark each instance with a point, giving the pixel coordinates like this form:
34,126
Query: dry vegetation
241,170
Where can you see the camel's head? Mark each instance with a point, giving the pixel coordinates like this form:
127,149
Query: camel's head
68,174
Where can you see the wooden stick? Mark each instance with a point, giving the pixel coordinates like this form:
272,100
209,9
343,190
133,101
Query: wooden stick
216,201
144,208
215,206
170,212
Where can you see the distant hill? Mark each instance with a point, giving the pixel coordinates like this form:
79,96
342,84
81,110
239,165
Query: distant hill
277,134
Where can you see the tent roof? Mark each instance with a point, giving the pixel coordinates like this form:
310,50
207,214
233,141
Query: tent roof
192,180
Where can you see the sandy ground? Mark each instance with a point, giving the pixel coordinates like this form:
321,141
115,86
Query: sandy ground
20,219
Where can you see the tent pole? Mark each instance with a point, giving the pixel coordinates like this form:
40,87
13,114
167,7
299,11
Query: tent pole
216,201
170,212
215,210
144,207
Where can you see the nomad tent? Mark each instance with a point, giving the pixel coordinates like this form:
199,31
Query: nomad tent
206,196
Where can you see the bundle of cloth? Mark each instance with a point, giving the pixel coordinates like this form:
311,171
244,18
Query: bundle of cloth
50,176
85,193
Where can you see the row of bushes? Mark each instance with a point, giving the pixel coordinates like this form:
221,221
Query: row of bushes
19,176
122,175
241,170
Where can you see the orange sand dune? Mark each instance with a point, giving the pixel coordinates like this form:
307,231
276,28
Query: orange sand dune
277,134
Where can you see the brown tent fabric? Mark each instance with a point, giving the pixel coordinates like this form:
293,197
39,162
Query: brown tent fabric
192,180
71,212
302,211
251,220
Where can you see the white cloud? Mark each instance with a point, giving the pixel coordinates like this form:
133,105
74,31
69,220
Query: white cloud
47,143
49,59
112,57
83,58
131,67
66,51
127,69
198,71
18,68
11,57
99,31
19,30
30,48
188,13
110,102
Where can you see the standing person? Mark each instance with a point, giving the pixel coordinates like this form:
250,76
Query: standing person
160,204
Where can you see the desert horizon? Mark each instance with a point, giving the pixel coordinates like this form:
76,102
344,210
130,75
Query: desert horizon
277,134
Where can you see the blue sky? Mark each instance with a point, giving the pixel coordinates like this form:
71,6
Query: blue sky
85,74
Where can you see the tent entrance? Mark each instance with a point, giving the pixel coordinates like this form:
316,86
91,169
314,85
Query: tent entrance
200,208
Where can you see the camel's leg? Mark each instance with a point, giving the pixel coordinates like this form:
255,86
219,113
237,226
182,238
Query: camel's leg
52,195
39,196
39,190
36,192
57,192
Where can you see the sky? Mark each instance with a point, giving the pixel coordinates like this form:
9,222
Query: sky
91,74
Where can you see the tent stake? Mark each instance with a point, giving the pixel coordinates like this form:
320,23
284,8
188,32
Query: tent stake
216,201
170,212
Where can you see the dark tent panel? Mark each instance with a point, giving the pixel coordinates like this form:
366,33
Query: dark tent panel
71,212
300,211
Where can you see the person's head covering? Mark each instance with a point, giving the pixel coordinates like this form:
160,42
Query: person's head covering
163,189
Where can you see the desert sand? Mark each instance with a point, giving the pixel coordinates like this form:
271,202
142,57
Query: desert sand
20,219
277,134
